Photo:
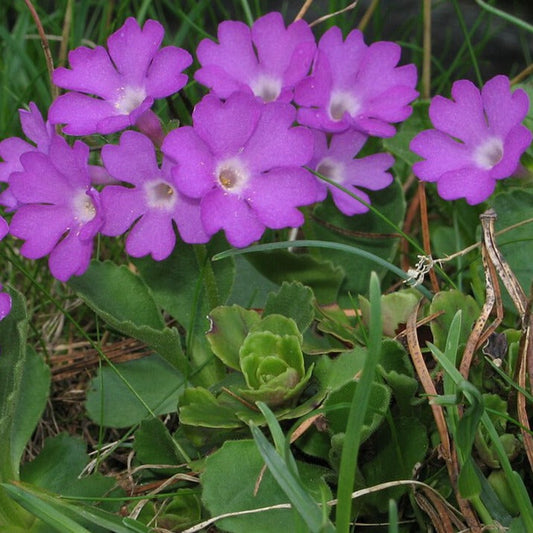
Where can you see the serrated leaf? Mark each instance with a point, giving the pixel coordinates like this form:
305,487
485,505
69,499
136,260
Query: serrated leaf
294,301
124,301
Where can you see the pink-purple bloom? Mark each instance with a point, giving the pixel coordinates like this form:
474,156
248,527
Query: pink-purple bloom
243,160
335,160
59,212
125,79
5,298
267,59
152,203
356,86
478,139
36,130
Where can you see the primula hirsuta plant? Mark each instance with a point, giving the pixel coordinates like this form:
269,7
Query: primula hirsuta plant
281,110
478,139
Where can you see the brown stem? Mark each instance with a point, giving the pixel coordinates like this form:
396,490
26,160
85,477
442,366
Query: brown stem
425,232
46,48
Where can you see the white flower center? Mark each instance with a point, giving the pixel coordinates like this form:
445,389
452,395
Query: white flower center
489,153
232,176
342,102
129,98
160,195
83,207
266,87
331,169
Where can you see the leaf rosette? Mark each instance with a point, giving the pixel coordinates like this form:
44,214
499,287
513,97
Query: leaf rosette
273,367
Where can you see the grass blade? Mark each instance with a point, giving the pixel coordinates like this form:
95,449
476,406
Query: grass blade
356,417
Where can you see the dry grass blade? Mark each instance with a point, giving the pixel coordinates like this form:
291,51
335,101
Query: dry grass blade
492,297
427,383
446,451
526,360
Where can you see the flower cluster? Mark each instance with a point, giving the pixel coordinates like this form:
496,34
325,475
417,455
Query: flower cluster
280,110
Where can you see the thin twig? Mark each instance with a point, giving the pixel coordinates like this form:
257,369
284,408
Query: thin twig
368,15
425,233
54,90
330,15
355,495
303,10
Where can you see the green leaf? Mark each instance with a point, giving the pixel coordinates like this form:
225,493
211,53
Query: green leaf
395,309
188,286
291,485
251,288
13,359
294,301
394,457
118,294
58,466
229,480
199,407
449,302
153,444
329,224
124,301
35,384
154,380
178,281
229,328
323,277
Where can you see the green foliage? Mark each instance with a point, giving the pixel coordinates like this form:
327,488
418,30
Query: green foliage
126,386
229,485
275,377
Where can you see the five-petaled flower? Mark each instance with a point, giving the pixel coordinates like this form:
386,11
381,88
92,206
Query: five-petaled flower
266,59
336,162
478,139
357,86
59,212
125,79
243,160
152,204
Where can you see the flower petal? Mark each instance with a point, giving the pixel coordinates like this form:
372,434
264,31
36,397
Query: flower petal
229,213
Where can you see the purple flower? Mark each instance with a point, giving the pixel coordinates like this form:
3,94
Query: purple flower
5,298
478,139
337,163
152,204
59,211
125,79
353,85
242,159
35,129
267,59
